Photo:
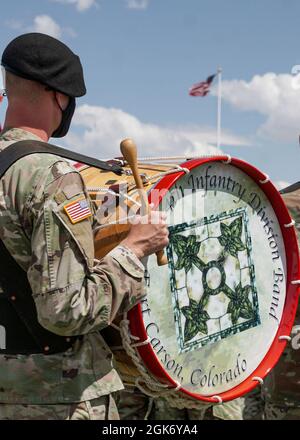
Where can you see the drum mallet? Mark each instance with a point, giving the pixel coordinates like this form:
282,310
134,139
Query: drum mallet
129,152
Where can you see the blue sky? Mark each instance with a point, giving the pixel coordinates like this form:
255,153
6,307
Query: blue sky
140,57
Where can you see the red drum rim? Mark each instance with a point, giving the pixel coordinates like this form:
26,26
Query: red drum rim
137,327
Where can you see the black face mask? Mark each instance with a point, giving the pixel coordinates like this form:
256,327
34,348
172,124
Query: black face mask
66,119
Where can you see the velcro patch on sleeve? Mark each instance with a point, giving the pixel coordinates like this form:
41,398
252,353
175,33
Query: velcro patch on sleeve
78,210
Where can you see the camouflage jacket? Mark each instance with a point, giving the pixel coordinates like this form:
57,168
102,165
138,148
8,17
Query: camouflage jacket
74,294
282,385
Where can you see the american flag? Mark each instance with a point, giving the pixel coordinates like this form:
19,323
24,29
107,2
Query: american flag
78,210
202,88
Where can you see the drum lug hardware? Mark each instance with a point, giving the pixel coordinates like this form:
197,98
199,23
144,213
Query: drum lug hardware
144,178
218,399
185,170
290,225
285,338
118,161
258,379
128,172
178,386
266,180
228,159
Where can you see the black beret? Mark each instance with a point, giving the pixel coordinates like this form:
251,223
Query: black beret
42,58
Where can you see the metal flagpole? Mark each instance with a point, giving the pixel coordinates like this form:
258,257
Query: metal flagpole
219,106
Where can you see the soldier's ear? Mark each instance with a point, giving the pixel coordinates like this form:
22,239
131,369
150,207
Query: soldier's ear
62,100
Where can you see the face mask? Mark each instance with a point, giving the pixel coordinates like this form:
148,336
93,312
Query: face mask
66,118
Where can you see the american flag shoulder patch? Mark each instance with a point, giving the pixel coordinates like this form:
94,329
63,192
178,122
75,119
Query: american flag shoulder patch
78,210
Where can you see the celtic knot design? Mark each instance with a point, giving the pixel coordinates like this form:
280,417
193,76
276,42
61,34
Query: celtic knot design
213,262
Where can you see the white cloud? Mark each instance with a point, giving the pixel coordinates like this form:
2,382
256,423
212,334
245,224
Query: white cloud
46,25
137,4
104,128
280,184
275,96
42,23
81,5
14,24
69,32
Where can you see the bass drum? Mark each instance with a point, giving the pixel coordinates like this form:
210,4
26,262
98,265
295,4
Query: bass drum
217,317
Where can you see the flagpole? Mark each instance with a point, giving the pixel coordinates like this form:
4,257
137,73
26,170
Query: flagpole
219,106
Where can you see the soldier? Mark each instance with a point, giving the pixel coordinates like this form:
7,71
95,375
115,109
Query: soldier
281,389
74,295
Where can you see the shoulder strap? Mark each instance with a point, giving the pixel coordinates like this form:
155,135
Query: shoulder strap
18,315
23,148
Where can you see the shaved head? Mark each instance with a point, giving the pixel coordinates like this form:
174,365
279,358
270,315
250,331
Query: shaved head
21,88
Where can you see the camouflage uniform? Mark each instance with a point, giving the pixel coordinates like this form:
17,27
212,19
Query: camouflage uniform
74,294
281,389
227,411
254,405
102,408
134,405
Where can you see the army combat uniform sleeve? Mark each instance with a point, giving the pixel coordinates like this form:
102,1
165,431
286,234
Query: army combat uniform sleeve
74,293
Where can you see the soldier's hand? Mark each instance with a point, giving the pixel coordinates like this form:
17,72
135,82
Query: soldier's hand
148,234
